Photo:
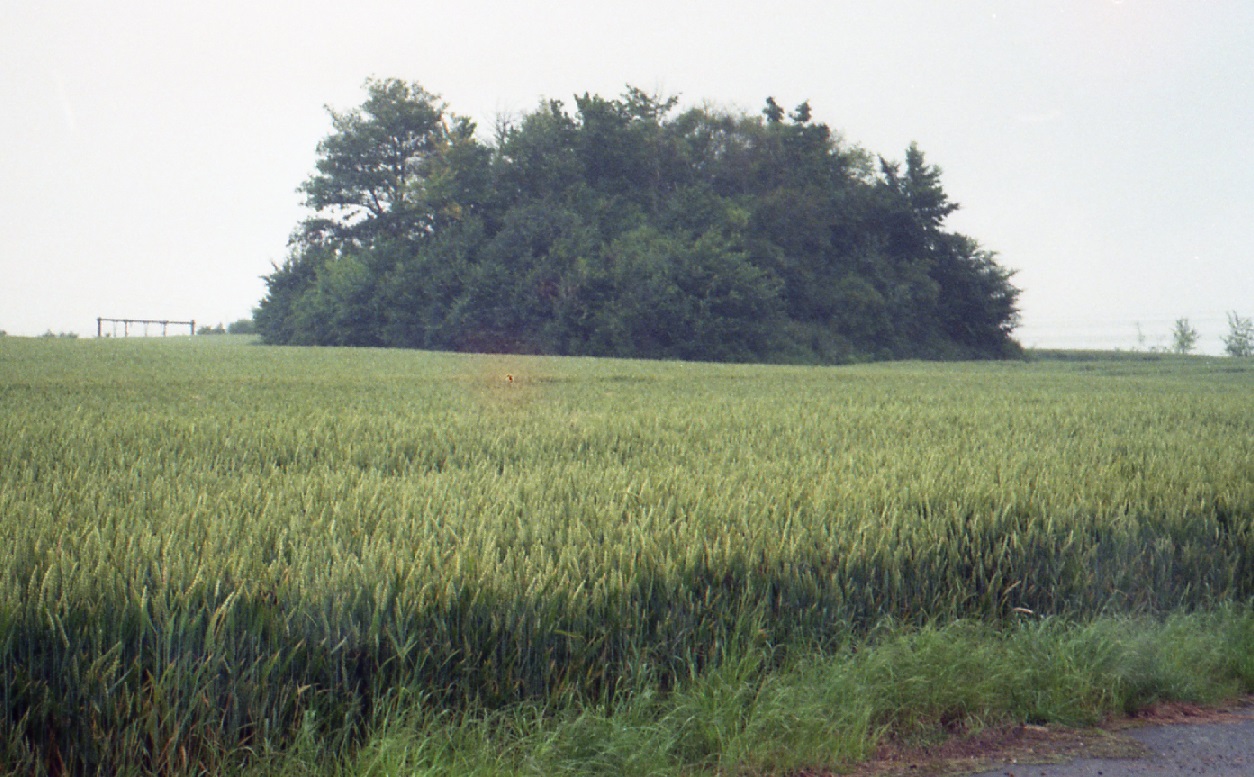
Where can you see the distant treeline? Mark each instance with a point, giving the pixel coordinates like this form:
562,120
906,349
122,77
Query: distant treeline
627,228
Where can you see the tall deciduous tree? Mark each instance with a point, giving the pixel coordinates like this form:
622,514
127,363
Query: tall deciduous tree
372,169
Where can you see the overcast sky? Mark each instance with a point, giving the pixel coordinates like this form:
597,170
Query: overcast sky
150,151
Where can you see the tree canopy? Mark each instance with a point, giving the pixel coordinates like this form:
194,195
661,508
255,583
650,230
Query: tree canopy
625,227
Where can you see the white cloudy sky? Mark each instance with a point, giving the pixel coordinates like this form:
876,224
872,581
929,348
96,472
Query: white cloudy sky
150,151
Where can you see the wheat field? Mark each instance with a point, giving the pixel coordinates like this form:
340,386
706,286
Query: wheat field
205,538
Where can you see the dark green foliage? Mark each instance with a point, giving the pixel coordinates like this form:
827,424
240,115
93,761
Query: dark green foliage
626,229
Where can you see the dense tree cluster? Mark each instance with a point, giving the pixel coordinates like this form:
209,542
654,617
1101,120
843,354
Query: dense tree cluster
624,227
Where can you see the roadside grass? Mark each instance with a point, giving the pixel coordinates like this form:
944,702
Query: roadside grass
903,685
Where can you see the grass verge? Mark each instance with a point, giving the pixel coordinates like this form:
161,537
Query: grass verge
760,713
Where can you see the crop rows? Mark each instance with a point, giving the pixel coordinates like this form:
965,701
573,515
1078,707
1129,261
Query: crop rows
206,540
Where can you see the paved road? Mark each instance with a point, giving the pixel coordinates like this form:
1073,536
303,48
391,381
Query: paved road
1206,750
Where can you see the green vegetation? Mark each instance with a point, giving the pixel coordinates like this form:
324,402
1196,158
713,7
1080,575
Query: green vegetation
359,558
244,326
914,687
1183,336
626,228
1240,338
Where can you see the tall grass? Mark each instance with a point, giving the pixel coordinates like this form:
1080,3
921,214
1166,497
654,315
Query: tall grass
904,686
215,547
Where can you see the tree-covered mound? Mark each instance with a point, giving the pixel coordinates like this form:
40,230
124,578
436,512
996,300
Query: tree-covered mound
629,228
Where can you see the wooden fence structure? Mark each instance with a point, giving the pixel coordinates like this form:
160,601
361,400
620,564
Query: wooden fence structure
127,322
